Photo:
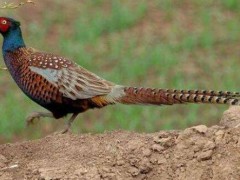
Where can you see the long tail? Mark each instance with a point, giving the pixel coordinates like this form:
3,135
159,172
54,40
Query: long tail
133,95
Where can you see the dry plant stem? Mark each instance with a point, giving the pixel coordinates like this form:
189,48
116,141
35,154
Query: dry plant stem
13,5
3,68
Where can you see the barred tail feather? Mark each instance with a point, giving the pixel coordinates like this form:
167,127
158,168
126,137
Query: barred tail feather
205,92
134,95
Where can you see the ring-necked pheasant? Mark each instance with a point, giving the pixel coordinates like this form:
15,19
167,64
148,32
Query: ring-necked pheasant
63,87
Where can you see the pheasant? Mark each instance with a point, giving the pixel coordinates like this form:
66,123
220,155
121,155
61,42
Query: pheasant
63,87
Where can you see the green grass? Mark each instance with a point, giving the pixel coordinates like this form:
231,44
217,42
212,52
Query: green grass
161,43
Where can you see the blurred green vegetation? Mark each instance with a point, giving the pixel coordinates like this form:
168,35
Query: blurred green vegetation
159,43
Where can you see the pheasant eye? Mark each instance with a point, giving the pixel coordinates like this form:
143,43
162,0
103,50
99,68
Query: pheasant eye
4,22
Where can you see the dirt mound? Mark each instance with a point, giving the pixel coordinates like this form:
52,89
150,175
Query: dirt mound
195,153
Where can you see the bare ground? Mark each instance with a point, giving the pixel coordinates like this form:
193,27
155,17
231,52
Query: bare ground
195,153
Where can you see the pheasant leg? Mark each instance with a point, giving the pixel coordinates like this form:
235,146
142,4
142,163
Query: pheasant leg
69,123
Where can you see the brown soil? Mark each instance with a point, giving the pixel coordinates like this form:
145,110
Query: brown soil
195,153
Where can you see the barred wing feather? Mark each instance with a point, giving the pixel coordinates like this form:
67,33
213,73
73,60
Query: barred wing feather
78,83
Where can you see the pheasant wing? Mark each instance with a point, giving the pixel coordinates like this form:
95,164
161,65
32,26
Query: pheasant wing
72,80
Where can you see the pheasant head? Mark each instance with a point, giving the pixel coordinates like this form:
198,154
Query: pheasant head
10,29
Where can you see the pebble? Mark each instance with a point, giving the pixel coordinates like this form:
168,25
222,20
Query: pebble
157,147
205,155
147,152
200,129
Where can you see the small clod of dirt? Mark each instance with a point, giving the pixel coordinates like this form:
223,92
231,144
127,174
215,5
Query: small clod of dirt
195,153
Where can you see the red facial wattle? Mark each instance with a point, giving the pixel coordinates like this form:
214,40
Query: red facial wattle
4,27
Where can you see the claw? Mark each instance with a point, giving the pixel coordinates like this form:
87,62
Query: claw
66,130
30,119
69,123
